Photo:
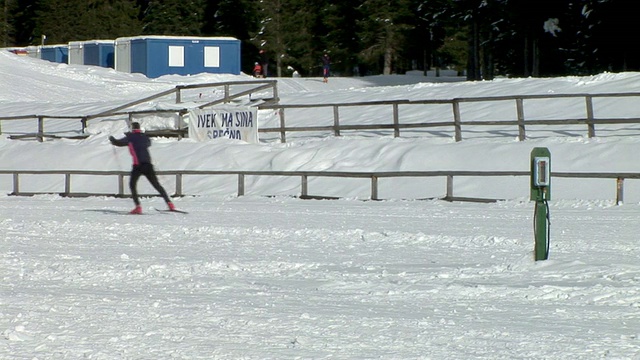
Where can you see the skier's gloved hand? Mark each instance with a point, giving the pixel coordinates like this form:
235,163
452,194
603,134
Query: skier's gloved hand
112,139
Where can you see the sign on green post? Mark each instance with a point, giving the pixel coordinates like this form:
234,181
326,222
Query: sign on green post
541,194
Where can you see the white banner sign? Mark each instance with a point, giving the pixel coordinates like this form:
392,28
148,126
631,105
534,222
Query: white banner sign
240,123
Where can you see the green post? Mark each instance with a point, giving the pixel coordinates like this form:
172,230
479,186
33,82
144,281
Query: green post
541,194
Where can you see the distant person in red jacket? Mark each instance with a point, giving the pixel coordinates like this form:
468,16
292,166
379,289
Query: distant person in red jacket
138,144
257,70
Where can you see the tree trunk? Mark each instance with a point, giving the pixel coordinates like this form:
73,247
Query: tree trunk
473,61
535,61
388,60
487,64
526,72
487,59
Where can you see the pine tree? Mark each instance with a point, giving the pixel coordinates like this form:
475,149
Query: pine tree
612,42
437,36
174,17
113,18
6,27
384,25
235,18
74,20
337,33
302,51
285,32
58,20
269,35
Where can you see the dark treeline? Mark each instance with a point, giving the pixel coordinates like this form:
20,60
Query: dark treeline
484,38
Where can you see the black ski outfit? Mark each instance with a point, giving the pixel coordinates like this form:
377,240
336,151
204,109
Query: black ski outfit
138,144
326,65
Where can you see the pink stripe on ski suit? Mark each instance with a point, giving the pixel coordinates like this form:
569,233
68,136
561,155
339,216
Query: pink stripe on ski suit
132,151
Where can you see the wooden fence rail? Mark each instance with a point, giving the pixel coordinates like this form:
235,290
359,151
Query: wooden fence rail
304,180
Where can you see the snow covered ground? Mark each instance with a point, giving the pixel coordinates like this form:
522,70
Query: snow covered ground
261,277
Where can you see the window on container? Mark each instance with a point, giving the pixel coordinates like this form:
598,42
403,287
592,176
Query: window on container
211,56
176,56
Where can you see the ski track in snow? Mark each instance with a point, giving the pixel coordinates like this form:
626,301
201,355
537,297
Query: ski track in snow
277,278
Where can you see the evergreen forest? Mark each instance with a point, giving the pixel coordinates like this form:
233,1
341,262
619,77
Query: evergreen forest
479,38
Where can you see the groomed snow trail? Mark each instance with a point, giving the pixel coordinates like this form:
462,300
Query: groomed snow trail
279,278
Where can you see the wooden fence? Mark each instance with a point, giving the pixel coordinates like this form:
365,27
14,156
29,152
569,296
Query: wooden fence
247,88
588,118
454,122
304,180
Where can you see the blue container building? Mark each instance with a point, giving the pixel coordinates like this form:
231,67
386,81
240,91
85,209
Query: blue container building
155,56
99,53
55,53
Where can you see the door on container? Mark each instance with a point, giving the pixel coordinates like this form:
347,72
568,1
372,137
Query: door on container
76,54
123,56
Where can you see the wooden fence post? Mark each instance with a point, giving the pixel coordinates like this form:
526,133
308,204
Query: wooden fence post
619,191
520,110
374,187
304,192
16,183
336,121
590,126
240,184
226,93
283,136
120,184
67,184
40,129
456,120
181,115
178,184
274,85
449,195
396,121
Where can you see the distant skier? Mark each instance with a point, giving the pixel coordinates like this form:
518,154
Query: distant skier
264,59
257,70
138,144
326,64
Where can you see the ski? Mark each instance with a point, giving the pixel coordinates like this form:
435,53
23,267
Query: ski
171,211
112,211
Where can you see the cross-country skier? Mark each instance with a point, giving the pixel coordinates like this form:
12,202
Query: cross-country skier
326,64
138,144
264,59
